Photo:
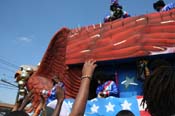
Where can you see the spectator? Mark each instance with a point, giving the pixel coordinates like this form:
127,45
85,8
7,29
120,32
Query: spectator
53,98
159,91
27,100
18,109
125,113
40,107
60,98
56,82
160,6
17,113
79,105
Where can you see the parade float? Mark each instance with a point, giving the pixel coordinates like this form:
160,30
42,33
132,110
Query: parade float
117,47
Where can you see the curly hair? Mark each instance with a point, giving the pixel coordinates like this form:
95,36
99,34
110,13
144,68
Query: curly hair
159,92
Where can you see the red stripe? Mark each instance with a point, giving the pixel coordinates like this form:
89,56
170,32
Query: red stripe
144,113
107,85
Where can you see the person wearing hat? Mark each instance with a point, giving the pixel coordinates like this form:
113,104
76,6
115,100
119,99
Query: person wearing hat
117,12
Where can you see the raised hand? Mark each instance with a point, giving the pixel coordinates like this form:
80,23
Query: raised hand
88,68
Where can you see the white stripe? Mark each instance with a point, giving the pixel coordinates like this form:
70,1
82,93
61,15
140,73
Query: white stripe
83,51
118,43
94,36
140,19
169,21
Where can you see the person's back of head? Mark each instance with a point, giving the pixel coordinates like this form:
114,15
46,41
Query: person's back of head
159,91
17,113
125,113
158,5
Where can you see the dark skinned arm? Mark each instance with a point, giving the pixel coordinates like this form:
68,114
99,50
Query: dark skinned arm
79,105
60,98
17,105
40,107
26,100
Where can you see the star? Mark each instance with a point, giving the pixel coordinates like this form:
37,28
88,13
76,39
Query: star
126,105
94,108
110,107
70,104
128,81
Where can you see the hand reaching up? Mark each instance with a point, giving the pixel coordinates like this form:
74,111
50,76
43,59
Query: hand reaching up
59,93
88,68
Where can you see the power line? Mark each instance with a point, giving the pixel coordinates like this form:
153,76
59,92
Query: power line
9,83
5,62
7,69
6,87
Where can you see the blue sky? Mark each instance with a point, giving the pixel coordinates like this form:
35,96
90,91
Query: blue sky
26,27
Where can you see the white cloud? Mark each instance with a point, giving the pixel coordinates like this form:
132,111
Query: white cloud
24,39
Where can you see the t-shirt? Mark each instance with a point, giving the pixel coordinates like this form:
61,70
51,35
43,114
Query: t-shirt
168,7
65,110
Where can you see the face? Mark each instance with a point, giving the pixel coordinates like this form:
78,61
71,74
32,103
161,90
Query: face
158,8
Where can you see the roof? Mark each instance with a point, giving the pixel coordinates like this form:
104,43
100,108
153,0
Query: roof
143,35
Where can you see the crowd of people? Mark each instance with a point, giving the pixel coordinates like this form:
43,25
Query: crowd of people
158,92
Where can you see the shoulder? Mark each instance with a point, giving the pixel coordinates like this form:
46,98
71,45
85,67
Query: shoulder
168,7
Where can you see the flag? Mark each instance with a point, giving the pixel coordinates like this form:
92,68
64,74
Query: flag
110,106
141,108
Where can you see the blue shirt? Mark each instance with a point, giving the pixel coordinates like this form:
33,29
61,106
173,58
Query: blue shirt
168,7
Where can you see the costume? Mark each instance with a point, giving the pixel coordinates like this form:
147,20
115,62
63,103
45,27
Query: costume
109,88
52,101
168,7
117,12
52,94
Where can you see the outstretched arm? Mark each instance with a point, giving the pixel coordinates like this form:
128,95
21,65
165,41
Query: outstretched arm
26,100
40,107
82,96
17,104
60,98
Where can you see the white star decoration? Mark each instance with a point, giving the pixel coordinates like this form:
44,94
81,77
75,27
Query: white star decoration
94,108
110,107
70,104
128,81
106,106
126,105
